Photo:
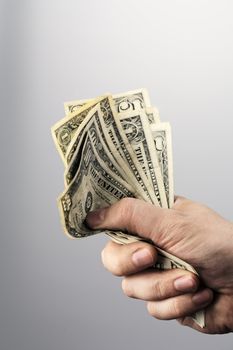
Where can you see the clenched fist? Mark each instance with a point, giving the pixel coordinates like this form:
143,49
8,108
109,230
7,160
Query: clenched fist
190,231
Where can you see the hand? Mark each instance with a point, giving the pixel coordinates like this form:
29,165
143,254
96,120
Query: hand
189,231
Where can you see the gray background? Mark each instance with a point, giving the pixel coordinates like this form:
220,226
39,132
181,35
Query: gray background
54,292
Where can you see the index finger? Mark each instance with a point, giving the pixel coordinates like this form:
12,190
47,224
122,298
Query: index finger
122,260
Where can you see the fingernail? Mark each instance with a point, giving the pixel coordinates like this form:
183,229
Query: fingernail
143,258
201,297
95,218
185,284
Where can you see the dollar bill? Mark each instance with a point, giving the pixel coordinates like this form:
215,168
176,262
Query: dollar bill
98,139
131,101
152,114
115,135
64,130
161,133
74,106
137,129
124,102
94,186
106,107
119,147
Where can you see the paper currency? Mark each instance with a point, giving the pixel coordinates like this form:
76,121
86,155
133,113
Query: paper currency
137,129
114,146
118,145
161,134
64,130
124,102
93,186
152,114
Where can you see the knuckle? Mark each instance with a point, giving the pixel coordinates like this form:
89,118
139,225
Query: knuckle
175,307
126,209
152,251
111,262
116,267
127,288
159,290
151,309
106,254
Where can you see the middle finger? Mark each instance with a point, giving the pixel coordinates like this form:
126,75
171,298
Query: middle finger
158,285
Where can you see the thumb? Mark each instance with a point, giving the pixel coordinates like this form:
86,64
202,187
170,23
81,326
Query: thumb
132,215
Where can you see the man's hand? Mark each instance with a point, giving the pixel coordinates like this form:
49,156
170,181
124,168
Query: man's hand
189,231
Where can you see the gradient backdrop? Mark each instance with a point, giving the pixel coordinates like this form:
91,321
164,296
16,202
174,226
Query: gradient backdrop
54,292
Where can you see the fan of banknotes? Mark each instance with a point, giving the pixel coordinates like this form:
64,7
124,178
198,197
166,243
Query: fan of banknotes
115,146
